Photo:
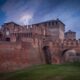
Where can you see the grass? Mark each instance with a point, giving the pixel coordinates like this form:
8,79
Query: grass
70,71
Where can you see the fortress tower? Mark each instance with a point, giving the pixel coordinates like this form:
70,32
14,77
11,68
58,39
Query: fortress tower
70,35
52,30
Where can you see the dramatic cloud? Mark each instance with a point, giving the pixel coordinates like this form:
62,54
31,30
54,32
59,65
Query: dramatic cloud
16,9
33,11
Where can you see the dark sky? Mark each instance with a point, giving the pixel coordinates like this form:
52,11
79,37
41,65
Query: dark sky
33,11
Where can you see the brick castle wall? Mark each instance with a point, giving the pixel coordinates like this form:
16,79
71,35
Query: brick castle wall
14,56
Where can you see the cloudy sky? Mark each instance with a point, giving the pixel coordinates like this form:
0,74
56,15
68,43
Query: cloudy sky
33,11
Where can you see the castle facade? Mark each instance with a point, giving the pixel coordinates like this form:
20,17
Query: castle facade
51,30
40,43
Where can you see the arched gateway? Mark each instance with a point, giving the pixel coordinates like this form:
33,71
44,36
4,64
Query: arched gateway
69,55
47,54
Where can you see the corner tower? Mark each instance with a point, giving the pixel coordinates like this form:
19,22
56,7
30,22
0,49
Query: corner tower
55,30
70,35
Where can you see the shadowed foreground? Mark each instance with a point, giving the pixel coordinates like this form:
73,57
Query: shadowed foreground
70,71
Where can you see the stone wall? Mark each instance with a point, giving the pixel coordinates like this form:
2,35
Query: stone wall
14,56
19,55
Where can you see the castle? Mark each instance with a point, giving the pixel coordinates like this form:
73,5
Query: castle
41,43
51,30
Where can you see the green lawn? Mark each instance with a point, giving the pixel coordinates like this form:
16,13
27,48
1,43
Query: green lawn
69,71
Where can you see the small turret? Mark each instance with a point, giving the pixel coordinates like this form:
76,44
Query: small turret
70,35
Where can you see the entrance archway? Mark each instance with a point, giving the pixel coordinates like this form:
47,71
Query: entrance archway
64,51
7,39
47,54
1,36
69,55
